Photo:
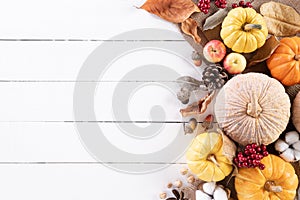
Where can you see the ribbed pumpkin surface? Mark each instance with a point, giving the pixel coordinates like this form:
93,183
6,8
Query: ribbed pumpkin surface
253,108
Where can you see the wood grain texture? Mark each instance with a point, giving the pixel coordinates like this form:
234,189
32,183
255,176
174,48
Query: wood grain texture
43,46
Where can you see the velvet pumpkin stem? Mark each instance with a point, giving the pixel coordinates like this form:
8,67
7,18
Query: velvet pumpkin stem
297,57
271,187
248,27
213,159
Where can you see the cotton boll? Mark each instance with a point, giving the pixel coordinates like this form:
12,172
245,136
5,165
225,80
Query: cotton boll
281,146
288,155
297,155
202,196
297,146
209,187
291,137
220,194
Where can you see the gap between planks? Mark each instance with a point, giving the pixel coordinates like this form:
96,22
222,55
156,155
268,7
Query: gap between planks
103,122
91,163
84,40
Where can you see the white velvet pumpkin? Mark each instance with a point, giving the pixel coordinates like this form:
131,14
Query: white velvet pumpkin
253,108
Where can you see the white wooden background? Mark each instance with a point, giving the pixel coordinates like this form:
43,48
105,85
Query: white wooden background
43,45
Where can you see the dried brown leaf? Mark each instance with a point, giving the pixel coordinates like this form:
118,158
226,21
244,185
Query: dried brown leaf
213,34
176,11
198,107
264,52
282,20
190,27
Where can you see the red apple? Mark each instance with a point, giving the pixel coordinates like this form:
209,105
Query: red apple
235,63
214,51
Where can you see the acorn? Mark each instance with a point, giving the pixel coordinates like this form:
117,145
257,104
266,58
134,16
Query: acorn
196,57
190,126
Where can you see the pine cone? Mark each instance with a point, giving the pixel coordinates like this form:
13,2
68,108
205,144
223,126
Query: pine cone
214,77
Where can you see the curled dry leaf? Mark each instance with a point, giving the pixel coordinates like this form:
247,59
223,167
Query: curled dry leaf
215,19
198,107
282,20
190,27
176,11
265,51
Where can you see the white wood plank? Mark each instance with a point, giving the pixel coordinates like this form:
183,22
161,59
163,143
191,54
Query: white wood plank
74,19
104,61
68,142
81,182
105,101
41,142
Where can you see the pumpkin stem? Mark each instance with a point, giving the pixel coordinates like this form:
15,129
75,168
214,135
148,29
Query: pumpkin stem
271,187
253,108
297,57
213,159
248,27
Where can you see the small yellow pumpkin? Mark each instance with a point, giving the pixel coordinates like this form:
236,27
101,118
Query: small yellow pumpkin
277,181
207,159
244,30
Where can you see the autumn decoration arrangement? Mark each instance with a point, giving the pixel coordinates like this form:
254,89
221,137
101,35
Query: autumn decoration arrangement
244,110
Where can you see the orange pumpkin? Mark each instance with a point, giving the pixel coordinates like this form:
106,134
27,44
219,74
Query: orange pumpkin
277,181
284,63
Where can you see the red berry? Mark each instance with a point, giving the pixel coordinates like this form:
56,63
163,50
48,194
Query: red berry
223,6
208,6
258,149
265,153
256,162
253,156
234,5
204,6
248,4
206,1
247,152
252,151
205,11
245,164
236,160
263,147
241,3
261,166
248,146
217,3
253,145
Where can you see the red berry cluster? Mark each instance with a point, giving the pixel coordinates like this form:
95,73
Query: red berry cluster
242,4
204,6
251,156
220,3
